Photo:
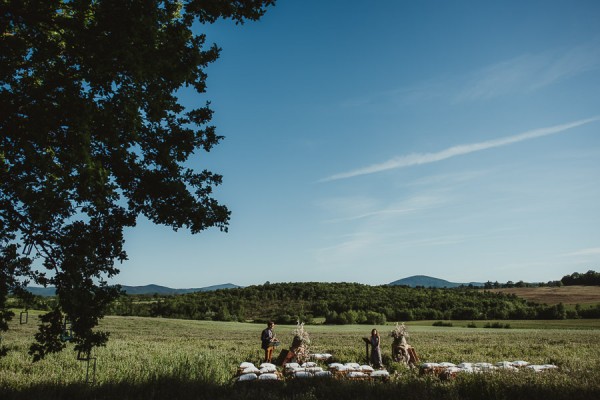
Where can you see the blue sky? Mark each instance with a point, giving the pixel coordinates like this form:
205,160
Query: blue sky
371,141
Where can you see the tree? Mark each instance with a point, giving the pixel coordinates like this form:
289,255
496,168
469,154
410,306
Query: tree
93,136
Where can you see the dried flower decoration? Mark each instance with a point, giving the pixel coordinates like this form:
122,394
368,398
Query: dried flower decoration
301,343
399,331
300,333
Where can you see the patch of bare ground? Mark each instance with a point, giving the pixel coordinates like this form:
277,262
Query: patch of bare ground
555,295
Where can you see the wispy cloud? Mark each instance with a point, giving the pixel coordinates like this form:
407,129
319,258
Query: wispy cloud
378,213
525,73
364,210
426,158
530,72
592,251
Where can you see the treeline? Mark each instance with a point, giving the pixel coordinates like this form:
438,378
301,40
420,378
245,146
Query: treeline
342,303
590,278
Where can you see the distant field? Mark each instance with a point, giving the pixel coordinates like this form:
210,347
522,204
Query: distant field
519,324
584,295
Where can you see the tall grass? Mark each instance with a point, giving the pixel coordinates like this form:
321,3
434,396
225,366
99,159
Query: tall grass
160,358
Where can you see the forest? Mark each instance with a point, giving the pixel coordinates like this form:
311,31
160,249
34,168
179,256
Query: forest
343,303
590,278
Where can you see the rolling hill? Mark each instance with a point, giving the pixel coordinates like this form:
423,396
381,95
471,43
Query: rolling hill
428,281
411,281
146,289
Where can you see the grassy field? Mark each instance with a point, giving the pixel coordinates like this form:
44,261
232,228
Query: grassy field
178,359
568,295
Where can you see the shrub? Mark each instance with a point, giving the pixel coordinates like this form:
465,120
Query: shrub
497,325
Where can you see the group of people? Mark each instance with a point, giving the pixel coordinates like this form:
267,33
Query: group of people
268,341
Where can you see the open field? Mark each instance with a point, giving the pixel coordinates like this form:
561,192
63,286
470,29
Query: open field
161,358
568,295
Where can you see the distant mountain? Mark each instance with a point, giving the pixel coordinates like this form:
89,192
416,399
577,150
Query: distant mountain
42,291
412,281
428,281
147,289
156,289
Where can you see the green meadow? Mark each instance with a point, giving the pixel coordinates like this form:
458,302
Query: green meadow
156,358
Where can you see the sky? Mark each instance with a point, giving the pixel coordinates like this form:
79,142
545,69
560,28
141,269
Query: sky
371,141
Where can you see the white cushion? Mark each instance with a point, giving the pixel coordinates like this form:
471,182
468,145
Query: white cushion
309,364
536,368
447,364
268,377
267,370
453,370
520,363
247,377
250,370
302,374
366,368
321,356
246,365
356,374
267,365
506,365
380,373
313,369
292,365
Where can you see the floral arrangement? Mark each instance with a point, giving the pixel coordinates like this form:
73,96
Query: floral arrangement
399,331
299,332
300,335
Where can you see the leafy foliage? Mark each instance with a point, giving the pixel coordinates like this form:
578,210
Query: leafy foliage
591,278
93,136
338,303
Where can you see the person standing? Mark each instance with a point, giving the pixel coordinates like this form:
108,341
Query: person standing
268,338
375,349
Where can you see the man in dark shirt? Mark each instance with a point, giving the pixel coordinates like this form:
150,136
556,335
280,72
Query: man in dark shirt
268,338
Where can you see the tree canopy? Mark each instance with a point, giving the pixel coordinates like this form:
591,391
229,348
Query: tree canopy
341,303
590,278
93,136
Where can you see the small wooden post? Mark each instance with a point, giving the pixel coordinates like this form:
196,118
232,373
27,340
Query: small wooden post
87,358
367,343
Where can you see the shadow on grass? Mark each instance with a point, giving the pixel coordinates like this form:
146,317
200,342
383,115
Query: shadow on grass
314,389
